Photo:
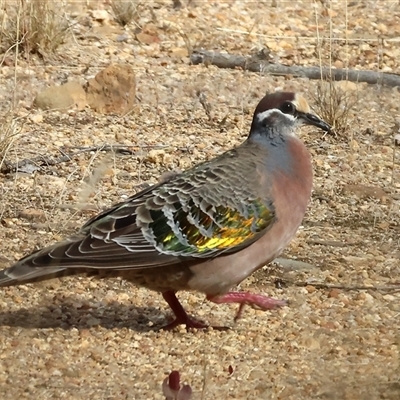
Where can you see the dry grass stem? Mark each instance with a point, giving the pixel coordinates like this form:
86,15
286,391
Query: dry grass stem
10,128
334,101
335,105
125,11
34,26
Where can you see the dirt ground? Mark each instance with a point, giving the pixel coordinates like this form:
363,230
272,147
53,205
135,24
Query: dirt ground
77,338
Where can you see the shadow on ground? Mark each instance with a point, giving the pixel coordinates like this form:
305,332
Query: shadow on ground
66,315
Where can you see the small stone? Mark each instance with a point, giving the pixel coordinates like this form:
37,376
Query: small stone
310,289
100,15
122,38
294,265
180,52
334,293
363,191
283,44
145,38
328,325
32,214
338,64
36,118
356,261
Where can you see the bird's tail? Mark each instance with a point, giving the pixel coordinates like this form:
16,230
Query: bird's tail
8,277
38,266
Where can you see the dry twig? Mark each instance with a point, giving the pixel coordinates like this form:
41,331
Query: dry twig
30,165
261,65
395,286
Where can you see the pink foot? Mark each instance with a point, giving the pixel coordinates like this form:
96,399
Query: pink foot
181,317
257,301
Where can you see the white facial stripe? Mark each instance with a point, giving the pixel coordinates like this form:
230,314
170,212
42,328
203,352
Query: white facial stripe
266,114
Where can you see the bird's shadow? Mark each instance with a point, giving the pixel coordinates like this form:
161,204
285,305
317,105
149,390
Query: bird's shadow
66,314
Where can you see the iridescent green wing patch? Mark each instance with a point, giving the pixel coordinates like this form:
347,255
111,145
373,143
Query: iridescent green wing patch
192,231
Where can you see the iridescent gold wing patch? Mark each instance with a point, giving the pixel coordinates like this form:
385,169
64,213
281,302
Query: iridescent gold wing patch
200,233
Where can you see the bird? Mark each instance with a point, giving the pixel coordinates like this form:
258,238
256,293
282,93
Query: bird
205,229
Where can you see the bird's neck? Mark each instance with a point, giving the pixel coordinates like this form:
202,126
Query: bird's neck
285,154
271,134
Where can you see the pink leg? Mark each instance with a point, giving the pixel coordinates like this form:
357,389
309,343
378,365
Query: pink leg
257,301
181,317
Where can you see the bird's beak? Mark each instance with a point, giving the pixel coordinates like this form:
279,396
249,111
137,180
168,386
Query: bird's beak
311,119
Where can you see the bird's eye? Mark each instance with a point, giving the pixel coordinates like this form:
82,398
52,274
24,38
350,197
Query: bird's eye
288,108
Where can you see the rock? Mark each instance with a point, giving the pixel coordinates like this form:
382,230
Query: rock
32,214
112,90
294,265
62,97
177,4
180,52
146,38
101,15
36,118
4,262
356,261
338,64
363,192
334,293
346,86
122,38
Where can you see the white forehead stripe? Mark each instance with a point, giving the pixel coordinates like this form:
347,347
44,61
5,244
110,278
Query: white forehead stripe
265,114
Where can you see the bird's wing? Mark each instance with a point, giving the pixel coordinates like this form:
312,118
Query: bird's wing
211,209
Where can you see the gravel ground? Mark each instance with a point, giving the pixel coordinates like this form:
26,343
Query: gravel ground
79,338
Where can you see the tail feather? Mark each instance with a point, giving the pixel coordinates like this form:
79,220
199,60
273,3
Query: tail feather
21,274
42,265
27,271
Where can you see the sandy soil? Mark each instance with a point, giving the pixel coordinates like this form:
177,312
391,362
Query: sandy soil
84,339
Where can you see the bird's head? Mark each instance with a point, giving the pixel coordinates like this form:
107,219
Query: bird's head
280,113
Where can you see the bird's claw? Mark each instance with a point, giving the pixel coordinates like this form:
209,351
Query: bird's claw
256,301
